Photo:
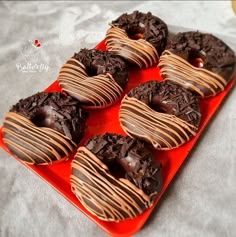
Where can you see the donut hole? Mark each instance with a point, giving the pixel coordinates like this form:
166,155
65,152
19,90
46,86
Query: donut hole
45,117
117,170
158,105
91,71
119,167
197,59
135,33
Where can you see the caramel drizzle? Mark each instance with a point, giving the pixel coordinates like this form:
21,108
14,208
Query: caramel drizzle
175,68
95,92
34,145
139,52
163,131
101,194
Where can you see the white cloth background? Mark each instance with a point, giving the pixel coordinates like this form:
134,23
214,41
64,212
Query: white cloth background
200,201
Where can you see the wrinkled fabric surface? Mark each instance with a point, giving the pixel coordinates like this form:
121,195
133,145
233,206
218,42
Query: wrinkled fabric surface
200,201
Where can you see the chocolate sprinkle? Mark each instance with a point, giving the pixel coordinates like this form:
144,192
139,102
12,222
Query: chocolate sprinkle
153,29
170,98
102,62
215,54
131,155
54,110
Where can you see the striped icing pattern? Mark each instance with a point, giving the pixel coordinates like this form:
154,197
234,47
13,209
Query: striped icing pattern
163,131
93,92
138,52
32,144
101,194
202,81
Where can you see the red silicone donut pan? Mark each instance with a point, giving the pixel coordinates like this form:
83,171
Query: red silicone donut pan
106,120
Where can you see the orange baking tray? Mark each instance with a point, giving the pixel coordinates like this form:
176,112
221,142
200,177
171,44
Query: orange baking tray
106,120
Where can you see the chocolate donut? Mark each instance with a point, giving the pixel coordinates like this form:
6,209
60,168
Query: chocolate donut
115,177
161,113
200,62
94,77
139,38
44,127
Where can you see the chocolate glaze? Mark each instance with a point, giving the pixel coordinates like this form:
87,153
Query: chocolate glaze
200,62
94,91
44,127
169,98
153,29
161,113
34,145
133,157
151,33
54,110
97,188
102,62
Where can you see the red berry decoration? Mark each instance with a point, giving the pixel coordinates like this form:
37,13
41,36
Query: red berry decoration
36,43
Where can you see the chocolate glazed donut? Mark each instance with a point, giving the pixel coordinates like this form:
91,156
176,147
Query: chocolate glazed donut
115,177
96,78
161,113
200,62
139,38
44,128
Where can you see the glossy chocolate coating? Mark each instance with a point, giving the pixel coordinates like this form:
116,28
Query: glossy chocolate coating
102,62
44,127
94,77
152,28
161,113
132,155
199,62
168,98
54,110
94,177
34,145
139,38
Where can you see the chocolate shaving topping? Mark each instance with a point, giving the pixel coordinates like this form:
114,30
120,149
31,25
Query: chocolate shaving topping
153,29
102,62
137,162
170,98
215,54
54,110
